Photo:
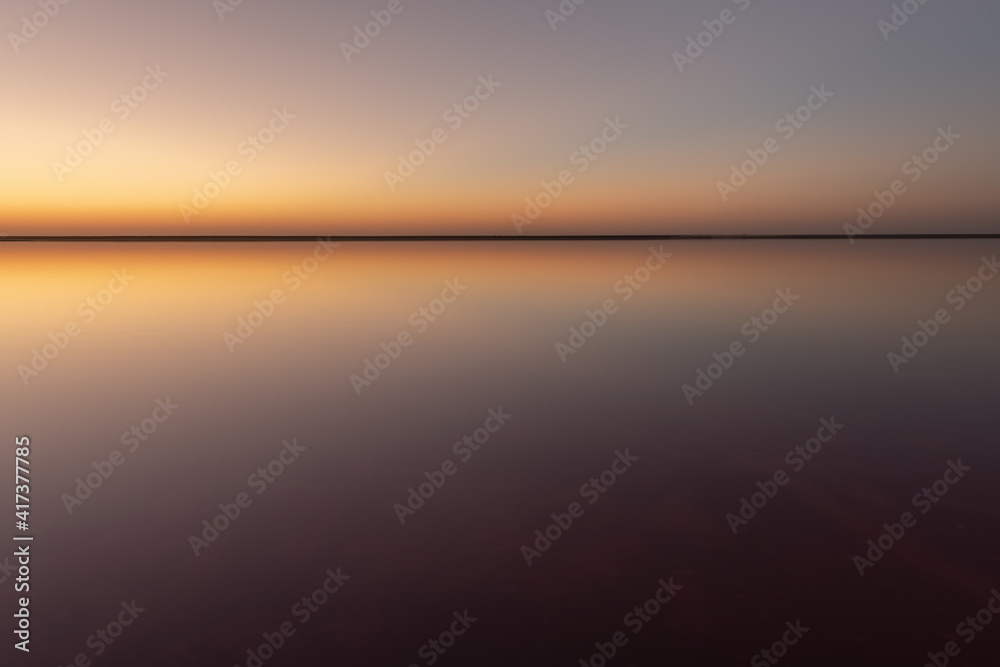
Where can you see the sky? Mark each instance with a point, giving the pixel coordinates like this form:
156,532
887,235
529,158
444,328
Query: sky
202,117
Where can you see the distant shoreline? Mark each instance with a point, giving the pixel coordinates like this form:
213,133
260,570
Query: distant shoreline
241,238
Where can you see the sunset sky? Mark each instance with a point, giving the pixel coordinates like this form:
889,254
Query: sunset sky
211,76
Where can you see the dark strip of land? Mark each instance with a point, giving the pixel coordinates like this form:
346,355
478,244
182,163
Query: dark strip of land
482,237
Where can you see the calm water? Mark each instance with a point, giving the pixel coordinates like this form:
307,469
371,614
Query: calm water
166,328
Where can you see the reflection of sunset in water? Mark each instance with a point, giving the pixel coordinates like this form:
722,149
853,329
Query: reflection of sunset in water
154,366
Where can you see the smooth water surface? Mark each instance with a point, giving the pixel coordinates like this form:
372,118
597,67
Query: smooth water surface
169,331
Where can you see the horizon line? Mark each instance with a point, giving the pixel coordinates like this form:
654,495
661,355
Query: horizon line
349,238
